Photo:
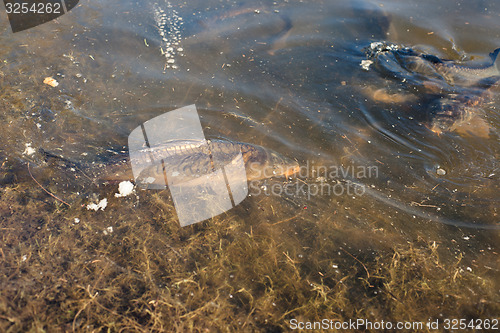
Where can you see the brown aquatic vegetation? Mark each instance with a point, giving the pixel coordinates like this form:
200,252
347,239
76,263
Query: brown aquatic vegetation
227,274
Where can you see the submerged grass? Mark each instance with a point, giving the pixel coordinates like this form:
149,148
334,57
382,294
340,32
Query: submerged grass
132,268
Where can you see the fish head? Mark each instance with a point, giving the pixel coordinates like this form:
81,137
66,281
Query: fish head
269,164
282,166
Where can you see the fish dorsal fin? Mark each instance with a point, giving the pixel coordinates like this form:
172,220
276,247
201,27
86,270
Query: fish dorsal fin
494,57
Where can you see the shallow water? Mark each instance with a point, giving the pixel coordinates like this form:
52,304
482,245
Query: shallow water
285,75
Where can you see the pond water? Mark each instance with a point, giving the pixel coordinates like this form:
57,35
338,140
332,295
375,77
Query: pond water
381,203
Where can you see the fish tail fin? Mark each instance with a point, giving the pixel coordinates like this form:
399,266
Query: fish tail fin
494,57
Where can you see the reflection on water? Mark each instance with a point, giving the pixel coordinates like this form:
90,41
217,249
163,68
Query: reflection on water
285,75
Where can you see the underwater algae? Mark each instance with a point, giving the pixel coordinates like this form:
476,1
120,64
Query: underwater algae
132,268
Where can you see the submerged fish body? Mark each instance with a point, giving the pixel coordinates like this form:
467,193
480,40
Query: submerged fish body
189,161
464,74
400,61
451,93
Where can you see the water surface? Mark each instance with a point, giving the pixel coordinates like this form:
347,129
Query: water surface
285,75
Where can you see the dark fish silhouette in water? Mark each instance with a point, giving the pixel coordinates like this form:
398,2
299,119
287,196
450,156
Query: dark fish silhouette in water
189,160
451,93
467,74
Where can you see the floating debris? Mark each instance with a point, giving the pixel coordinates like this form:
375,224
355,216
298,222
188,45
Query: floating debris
365,64
441,172
101,205
29,150
380,47
50,81
125,188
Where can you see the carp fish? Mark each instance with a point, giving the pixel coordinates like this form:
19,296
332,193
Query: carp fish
451,94
187,161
